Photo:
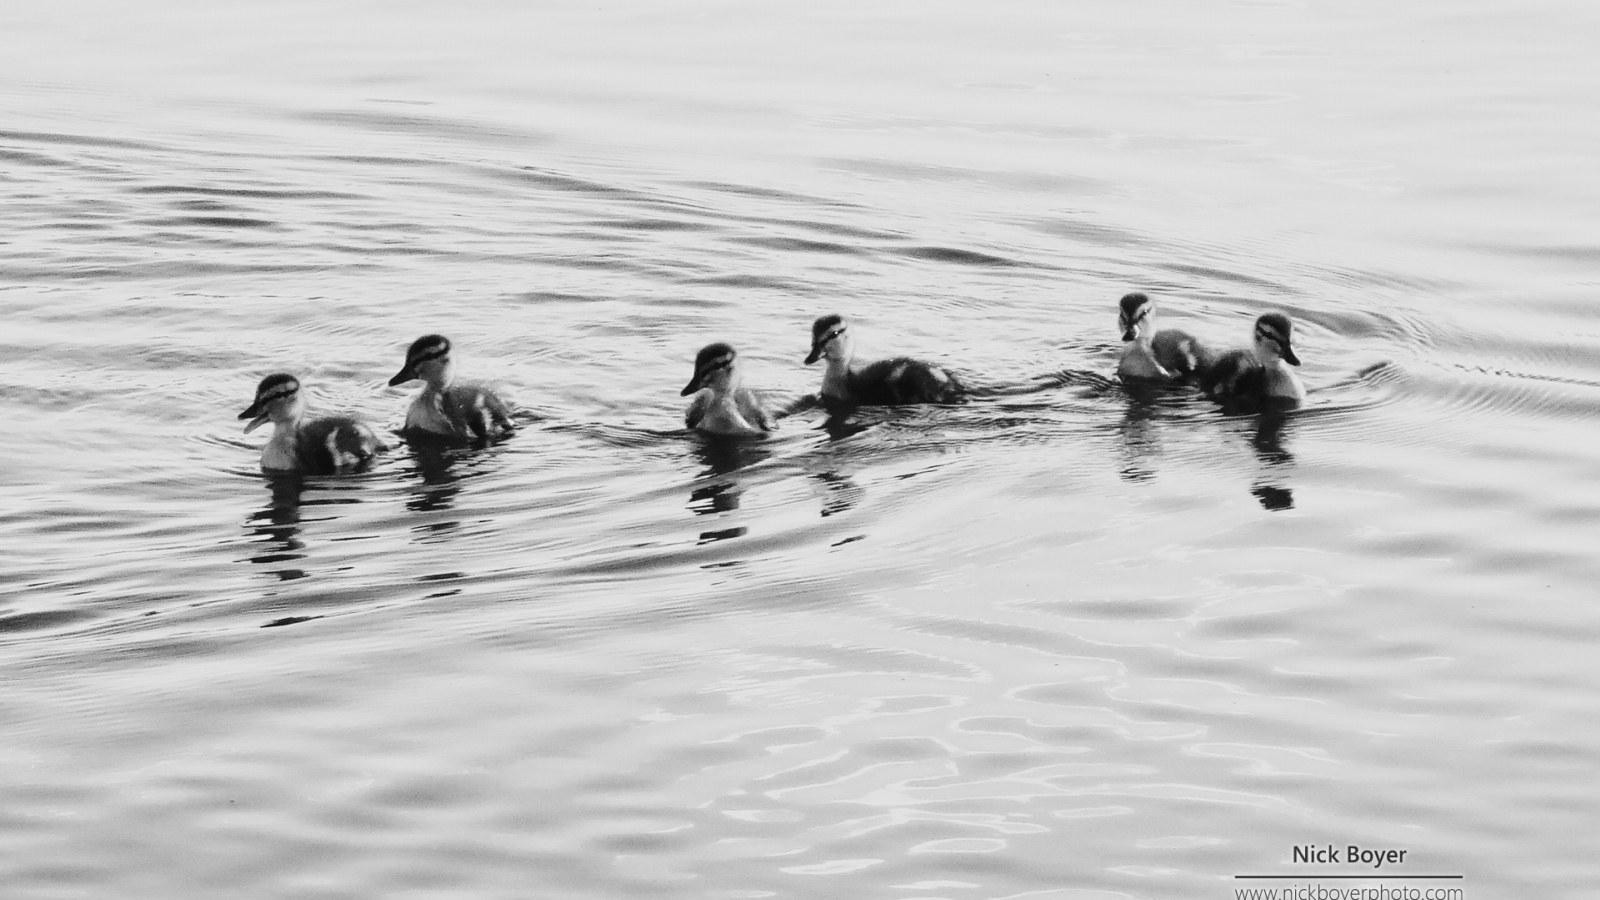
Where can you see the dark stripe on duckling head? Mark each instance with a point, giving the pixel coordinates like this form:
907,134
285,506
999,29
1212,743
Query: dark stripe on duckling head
423,349
272,387
824,330
711,358
1135,307
1275,327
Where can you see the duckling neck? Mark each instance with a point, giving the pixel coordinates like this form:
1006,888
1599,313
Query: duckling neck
438,382
283,450
1282,381
723,415
836,378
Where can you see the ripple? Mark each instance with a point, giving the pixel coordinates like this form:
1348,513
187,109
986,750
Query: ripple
42,620
957,256
239,192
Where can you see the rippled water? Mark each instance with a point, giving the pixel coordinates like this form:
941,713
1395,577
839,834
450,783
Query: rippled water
1060,642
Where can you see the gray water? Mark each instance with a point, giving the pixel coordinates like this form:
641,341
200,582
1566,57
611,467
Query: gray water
1060,642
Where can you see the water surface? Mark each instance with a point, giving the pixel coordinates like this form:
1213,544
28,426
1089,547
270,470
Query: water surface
1064,641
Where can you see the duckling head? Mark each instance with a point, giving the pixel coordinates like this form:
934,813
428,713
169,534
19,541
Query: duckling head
277,400
1272,339
713,368
428,359
1134,315
830,338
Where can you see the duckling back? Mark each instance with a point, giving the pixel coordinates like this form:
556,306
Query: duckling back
1235,375
472,412
892,382
1181,353
336,444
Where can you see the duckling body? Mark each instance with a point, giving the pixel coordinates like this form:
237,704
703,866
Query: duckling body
321,446
888,382
722,405
1261,375
446,407
1151,355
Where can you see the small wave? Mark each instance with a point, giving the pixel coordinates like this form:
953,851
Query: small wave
801,245
243,192
754,282
81,140
423,125
210,222
958,256
42,620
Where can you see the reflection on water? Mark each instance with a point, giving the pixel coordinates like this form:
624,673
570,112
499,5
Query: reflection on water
1140,437
1276,461
841,423
277,525
1140,428
718,497
840,492
435,485
723,456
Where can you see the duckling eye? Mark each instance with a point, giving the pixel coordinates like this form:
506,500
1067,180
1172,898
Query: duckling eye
833,334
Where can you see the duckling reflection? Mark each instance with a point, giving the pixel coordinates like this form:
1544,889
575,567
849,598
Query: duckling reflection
1259,378
723,457
321,446
1275,461
722,404
840,424
840,492
460,410
439,484
278,526
887,382
1140,442
1165,355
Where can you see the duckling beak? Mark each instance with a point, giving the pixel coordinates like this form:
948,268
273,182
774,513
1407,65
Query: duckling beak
260,415
694,384
1289,357
816,352
1127,333
404,375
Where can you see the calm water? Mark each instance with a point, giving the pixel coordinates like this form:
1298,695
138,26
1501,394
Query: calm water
1058,643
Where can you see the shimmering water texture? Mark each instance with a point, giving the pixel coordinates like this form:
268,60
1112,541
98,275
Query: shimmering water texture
1069,638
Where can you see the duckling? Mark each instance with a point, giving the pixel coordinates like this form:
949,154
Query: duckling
1261,375
723,405
462,410
316,446
887,382
1168,354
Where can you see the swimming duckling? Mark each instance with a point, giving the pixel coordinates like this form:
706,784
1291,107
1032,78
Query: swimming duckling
723,405
316,447
887,382
1168,354
462,410
1261,375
